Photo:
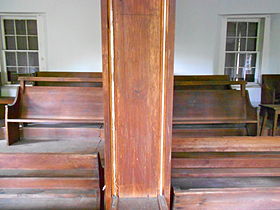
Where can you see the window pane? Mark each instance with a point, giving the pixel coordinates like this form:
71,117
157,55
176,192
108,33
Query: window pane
241,44
252,44
253,29
230,72
33,43
20,27
21,42
11,59
242,60
231,29
33,59
240,74
10,43
32,27
250,75
23,70
231,44
22,58
9,27
242,29
33,69
251,60
230,60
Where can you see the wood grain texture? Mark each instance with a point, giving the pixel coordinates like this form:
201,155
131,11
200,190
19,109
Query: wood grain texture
226,172
219,199
54,105
69,74
226,144
138,40
210,106
50,181
270,93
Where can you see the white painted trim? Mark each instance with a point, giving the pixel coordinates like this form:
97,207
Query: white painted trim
222,45
41,27
266,46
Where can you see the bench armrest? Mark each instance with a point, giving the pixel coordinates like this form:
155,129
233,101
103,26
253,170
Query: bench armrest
12,110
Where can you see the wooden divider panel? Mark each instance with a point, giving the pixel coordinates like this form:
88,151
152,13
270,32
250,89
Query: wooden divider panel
138,39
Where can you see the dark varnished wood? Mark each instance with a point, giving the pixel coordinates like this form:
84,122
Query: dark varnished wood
236,198
225,144
59,79
270,89
54,105
241,169
97,75
201,78
202,107
212,85
272,110
138,82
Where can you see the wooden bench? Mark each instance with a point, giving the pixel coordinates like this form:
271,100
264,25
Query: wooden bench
183,82
213,108
177,80
97,75
226,173
50,104
3,102
270,89
50,181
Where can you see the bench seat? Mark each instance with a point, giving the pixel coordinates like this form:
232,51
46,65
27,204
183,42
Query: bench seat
180,121
42,120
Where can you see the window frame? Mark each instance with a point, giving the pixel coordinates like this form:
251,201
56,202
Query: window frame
262,55
41,42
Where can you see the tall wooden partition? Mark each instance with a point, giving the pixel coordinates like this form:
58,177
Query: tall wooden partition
138,52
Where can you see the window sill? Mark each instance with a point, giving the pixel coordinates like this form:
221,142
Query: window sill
14,85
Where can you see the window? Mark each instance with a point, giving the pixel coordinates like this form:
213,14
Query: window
243,48
20,47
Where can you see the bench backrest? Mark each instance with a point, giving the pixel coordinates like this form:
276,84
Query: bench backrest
61,103
68,74
212,105
270,89
201,78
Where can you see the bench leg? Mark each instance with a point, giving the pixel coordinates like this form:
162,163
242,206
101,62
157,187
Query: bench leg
274,129
12,132
263,123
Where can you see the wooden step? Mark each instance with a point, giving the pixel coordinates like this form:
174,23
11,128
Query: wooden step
225,144
50,181
228,198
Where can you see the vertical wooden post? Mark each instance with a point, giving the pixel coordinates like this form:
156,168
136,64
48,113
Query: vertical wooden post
138,57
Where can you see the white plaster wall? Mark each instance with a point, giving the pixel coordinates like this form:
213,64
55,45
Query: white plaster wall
274,63
198,32
72,31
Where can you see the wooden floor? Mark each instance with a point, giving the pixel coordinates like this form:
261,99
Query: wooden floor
88,146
